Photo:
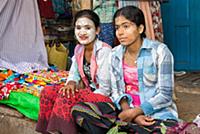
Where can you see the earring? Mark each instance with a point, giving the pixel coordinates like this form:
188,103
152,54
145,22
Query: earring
97,36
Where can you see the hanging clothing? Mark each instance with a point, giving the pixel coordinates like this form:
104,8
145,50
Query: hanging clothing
59,6
46,9
21,38
107,33
157,20
123,3
144,6
106,9
153,20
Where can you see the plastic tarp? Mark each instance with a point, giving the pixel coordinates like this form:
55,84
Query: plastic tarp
25,103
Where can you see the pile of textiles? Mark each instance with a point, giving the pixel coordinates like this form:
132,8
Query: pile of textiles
31,83
22,91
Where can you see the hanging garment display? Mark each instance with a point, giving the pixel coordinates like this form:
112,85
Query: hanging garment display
46,9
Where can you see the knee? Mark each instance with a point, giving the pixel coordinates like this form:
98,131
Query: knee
49,91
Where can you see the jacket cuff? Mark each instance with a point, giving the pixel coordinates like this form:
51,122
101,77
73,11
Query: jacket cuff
147,108
129,100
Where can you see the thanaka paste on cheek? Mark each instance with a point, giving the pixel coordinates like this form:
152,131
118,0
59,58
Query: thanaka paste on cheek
83,34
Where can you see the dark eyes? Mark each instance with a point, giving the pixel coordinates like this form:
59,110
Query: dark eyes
86,27
125,26
78,27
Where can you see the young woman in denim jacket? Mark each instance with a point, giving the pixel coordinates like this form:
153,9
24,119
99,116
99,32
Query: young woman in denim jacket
88,78
142,77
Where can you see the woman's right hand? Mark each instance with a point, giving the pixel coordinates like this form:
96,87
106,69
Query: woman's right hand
69,90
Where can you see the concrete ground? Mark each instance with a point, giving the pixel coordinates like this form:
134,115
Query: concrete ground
187,90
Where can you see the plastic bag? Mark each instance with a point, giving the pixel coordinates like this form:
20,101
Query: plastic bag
57,55
25,103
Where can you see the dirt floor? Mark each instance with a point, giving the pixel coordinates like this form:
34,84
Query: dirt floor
187,90
188,105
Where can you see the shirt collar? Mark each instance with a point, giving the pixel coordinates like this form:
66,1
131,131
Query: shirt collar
145,45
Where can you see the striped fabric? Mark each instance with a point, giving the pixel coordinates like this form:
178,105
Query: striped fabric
123,3
21,39
98,116
101,118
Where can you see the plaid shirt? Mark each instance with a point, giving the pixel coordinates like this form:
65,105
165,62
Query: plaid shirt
155,77
123,3
105,9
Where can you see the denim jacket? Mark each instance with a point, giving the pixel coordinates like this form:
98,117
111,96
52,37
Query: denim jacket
155,79
98,67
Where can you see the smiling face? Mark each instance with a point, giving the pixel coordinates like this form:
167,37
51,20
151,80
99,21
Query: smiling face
85,30
127,32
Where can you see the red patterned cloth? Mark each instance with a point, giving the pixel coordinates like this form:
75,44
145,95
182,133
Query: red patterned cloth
55,109
7,88
4,92
157,20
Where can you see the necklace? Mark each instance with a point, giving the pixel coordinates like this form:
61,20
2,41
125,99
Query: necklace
130,59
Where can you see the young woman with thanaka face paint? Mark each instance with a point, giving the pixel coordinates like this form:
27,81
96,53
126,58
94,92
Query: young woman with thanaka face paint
142,80
85,31
88,79
147,72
